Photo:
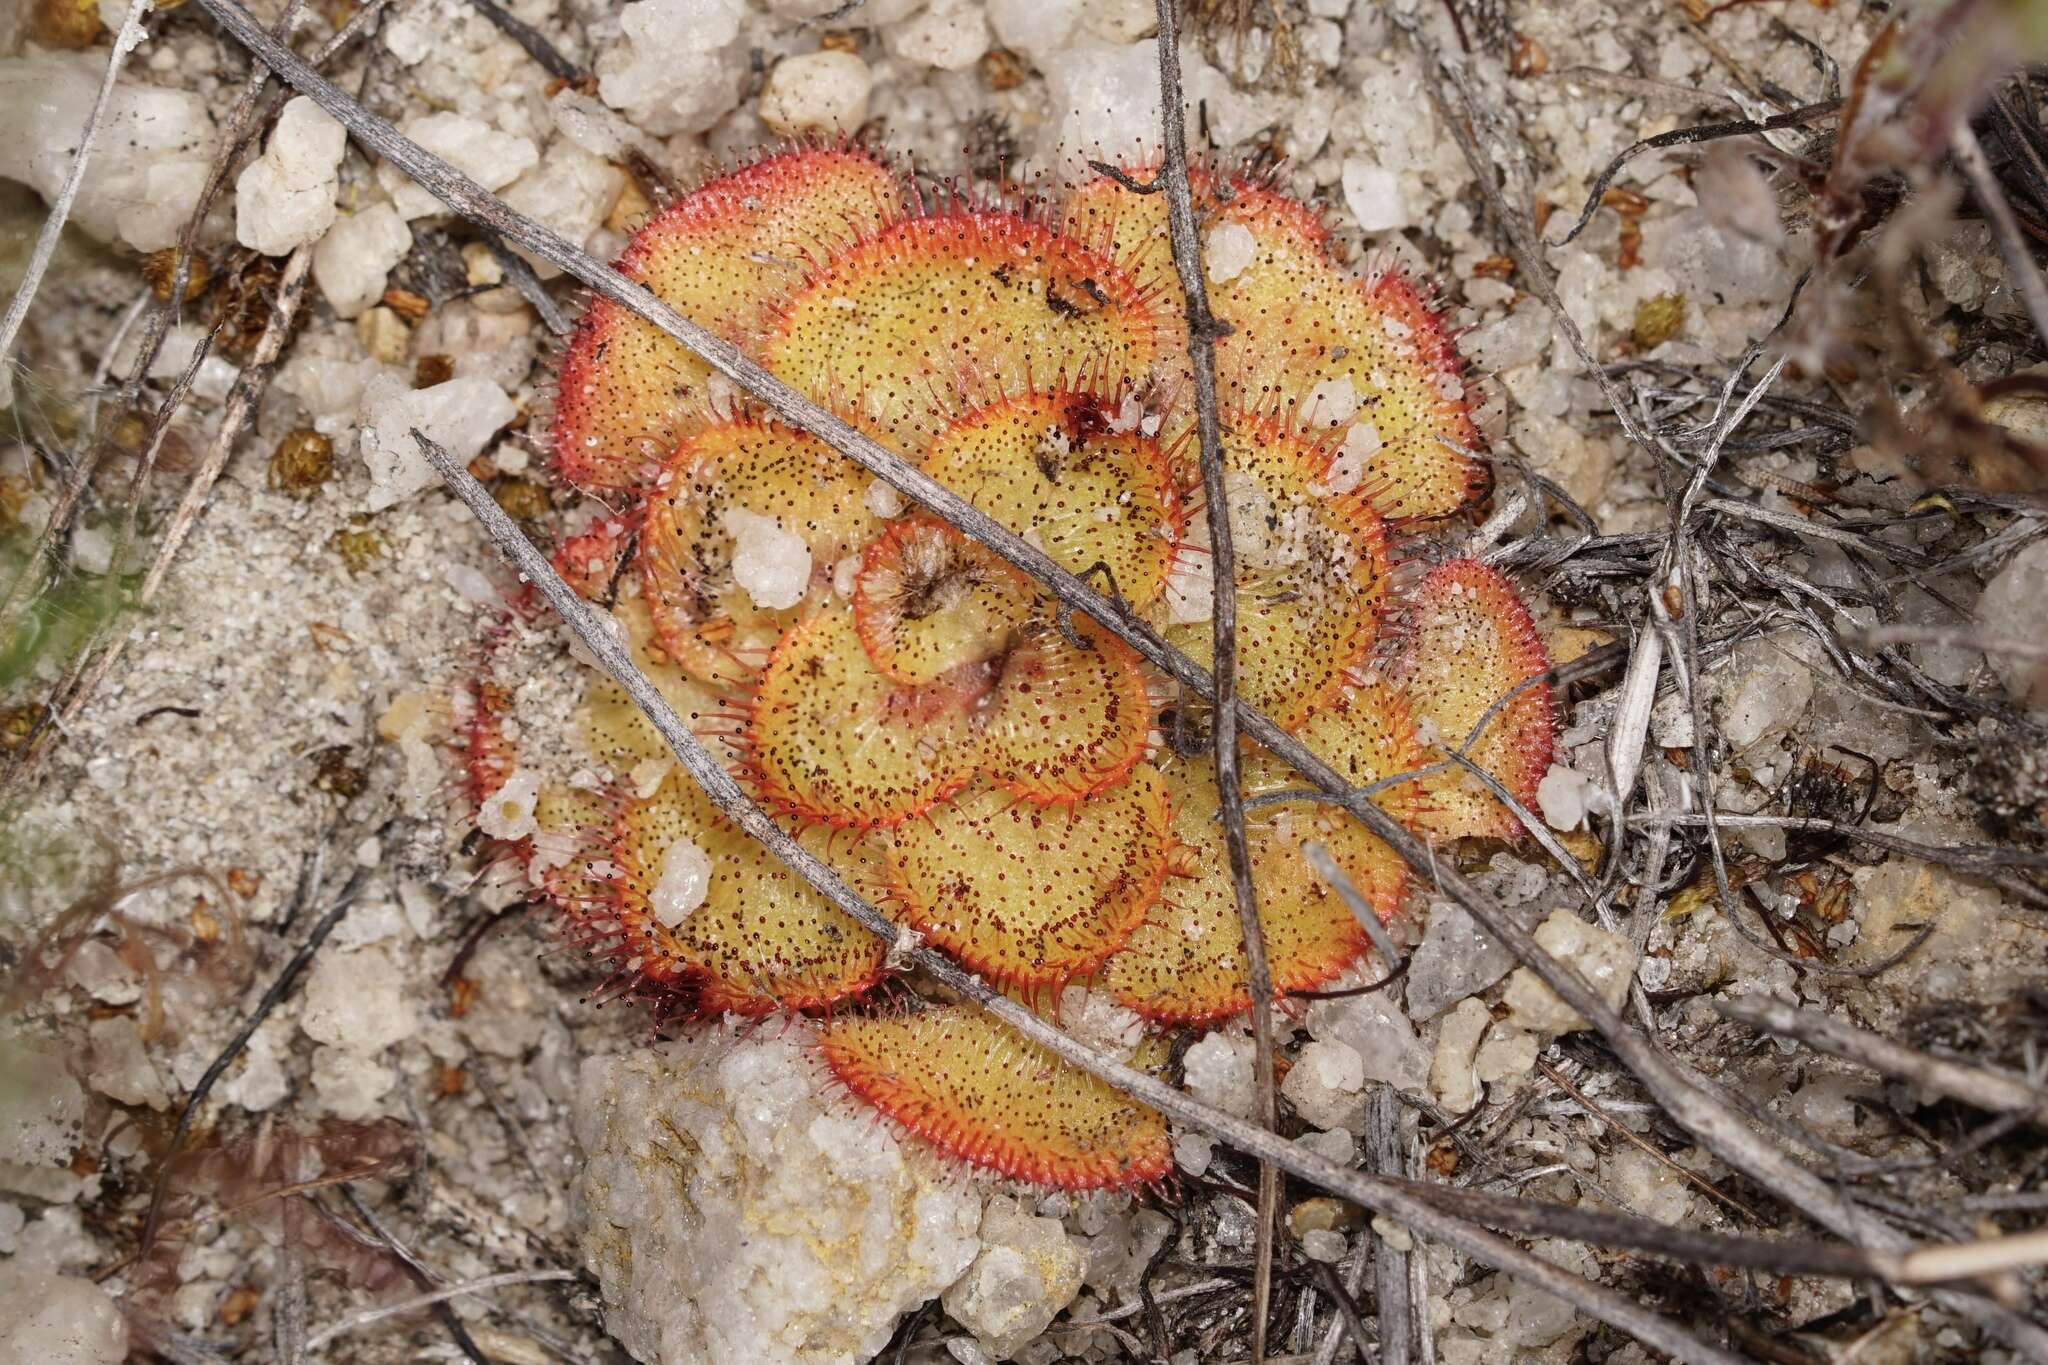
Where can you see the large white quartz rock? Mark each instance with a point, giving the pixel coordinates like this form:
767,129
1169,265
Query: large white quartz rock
354,259
285,198
816,92
44,1119
1036,28
734,1208
492,158
48,1319
1028,1270
948,34
355,999
460,416
570,191
1103,103
147,168
679,70
1603,957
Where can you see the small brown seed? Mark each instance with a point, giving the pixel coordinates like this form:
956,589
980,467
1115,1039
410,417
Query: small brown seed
73,24
1528,58
406,304
1003,69
302,463
522,499
1658,318
335,774
159,268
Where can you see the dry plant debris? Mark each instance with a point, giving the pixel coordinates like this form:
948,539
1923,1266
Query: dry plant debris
924,717
1766,436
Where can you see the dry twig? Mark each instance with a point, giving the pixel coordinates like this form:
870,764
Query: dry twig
280,988
1398,1200
1973,1085
241,404
365,1316
1690,1103
1203,331
126,40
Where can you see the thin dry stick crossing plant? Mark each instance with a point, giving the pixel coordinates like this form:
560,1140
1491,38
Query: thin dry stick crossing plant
1203,331
1404,1201
468,198
1973,1085
1689,1100
1721,1130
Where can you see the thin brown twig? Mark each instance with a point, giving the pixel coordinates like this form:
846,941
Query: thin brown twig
1956,637
22,763
1399,1200
1973,1085
363,1317
126,40
417,1270
280,988
1347,1309
1386,1151
1635,1140
308,1186
241,404
1716,1126
531,39
1685,137
1778,948
1203,331
2018,256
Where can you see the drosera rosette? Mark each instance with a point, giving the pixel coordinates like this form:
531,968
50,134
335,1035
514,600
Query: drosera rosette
1009,782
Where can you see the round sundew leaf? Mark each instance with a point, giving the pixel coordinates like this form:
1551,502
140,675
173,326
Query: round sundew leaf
1133,229
761,940
488,756
613,728
721,255
1027,895
1048,465
1065,720
975,1090
572,838
904,324
1399,352
831,739
927,601
1469,644
1310,341
1366,734
1311,574
616,732
1185,963
747,466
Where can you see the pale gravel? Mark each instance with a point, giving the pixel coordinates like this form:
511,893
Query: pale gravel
285,654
